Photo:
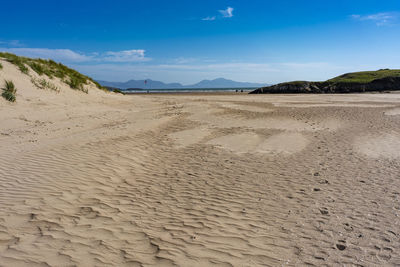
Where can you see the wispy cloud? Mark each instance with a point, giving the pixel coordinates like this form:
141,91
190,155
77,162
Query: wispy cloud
183,60
11,43
67,55
380,19
125,56
227,13
209,18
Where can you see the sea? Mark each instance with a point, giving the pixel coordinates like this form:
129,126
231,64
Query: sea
187,90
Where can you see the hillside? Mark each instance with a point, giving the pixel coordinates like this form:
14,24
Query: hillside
151,84
23,78
365,81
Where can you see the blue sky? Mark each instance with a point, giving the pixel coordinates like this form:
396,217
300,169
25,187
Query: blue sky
187,41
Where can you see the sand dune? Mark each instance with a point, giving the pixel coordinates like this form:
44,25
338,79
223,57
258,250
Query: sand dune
179,180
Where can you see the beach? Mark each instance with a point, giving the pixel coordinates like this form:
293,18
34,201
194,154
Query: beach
201,179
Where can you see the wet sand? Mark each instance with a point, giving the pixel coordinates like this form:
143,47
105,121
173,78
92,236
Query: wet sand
201,180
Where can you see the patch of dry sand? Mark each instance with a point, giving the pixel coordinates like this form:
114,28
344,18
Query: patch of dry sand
245,107
189,137
393,112
309,105
385,145
284,143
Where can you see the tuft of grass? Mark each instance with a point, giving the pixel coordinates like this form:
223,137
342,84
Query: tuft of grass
118,91
44,84
23,68
1,66
8,96
9,91
52,69
76,82
37,67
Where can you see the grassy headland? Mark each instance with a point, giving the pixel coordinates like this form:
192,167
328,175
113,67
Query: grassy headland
364,81
365,76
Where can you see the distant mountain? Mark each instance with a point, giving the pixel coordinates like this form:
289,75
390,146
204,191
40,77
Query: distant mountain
216,83
224,83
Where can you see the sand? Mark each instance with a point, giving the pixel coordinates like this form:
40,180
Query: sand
198,180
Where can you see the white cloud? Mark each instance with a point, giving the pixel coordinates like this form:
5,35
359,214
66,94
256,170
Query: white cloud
125,56
183,60
209,18
67,55
381,19
227,13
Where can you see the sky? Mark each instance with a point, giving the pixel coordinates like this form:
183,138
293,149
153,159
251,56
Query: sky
187,41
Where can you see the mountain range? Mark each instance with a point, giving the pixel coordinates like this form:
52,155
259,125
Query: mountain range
150,84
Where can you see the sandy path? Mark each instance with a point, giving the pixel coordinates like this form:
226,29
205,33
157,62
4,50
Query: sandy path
201,180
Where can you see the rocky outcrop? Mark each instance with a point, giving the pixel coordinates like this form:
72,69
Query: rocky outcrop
304,87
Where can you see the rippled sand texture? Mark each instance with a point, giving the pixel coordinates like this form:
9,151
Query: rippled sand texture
202,180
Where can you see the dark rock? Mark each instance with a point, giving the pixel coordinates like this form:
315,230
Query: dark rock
378,85
324,211
340,246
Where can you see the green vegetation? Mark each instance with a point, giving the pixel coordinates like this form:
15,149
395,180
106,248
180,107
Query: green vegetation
365,76
9,91
42,83
116,90
17,61
296,82
1,66
51,69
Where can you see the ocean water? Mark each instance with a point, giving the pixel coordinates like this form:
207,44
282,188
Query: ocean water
187,90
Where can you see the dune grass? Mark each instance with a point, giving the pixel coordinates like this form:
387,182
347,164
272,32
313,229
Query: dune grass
1,66
42,83
9,91
118,91
365,76
51,69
